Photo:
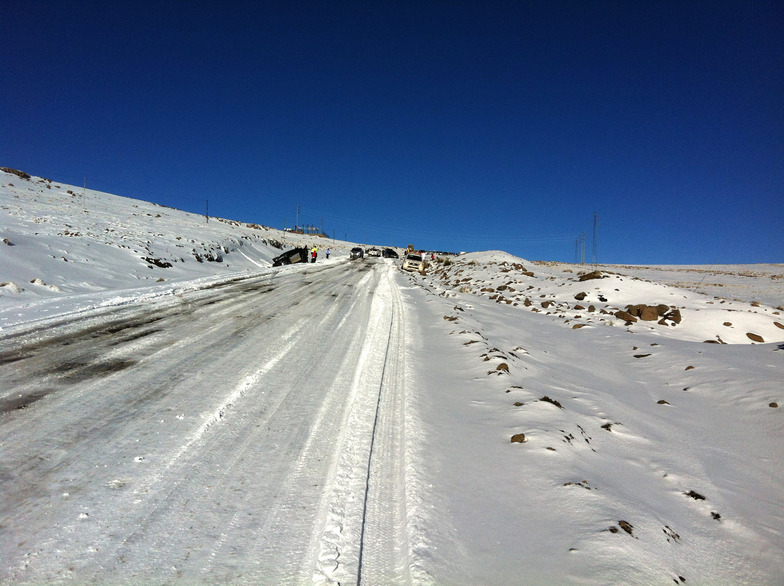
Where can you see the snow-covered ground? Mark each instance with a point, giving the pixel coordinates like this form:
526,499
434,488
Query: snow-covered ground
494,421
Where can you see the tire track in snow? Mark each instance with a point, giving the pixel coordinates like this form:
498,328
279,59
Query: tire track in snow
303,472
129,528
206,463
365,537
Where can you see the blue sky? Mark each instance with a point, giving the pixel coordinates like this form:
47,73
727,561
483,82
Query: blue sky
450,125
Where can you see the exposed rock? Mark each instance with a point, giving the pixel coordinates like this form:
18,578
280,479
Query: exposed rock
755,338
547,399
674,316
774,405
580,296
591,275
158,262
20,174
519,438
778,325
648,313
625,316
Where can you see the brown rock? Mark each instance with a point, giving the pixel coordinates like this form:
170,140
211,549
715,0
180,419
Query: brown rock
674,315
662,309
648,313
591,275
519,438
774,405
755,338
625,316
778,325
580,296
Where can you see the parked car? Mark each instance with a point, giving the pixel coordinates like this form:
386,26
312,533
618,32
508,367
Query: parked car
374,252
357,253
413,262
290,257
389,253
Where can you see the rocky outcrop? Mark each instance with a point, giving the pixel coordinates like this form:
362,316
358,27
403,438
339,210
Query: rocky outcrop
662,313
591,275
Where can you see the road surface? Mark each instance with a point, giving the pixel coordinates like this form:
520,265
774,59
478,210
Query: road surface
251,431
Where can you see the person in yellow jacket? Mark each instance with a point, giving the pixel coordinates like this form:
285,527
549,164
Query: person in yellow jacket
313,254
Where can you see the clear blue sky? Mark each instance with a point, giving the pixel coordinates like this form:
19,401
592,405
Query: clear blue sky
451,125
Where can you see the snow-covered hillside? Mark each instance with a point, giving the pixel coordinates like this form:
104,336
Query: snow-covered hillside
216,420
594,296
59,242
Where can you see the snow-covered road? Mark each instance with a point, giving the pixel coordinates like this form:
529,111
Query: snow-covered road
251,431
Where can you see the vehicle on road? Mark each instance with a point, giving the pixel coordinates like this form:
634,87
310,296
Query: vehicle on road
413,262
357,253
374,252
290,257
389,253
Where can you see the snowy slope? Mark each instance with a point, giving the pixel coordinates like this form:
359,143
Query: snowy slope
536,436
60,243
648,455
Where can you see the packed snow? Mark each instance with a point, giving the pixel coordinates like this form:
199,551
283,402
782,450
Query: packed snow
175,408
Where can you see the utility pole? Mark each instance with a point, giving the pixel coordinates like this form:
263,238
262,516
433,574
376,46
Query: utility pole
579,249
207,212
595,257
296,226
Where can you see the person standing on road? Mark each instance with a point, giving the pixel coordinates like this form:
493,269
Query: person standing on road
327,253
313,254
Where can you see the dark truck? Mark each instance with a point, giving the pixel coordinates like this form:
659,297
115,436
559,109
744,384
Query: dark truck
290,257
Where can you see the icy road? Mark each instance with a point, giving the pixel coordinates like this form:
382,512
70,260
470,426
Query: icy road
250,431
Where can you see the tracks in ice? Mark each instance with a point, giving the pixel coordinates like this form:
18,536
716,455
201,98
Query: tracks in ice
289,460
365,537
